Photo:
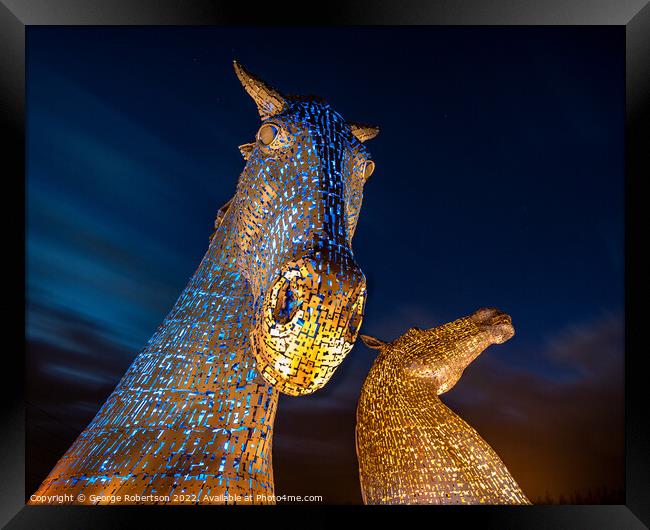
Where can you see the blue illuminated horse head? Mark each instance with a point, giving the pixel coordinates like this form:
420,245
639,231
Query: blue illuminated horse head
296,209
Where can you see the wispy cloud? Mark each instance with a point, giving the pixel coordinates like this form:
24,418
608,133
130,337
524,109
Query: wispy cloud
70,375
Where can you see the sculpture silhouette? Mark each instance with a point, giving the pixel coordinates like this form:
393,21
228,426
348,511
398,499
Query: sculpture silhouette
412,449
274,306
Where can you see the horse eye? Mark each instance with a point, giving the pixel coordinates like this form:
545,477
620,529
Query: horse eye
368,169
267,133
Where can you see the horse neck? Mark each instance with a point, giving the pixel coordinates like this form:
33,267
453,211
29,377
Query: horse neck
198,362
391,419
398,411
197,376
203,342
390,386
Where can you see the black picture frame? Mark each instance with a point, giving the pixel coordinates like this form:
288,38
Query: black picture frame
634,15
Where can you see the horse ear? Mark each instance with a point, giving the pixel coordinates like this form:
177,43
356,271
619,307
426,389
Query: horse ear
268,100
372,342
364,132
246,149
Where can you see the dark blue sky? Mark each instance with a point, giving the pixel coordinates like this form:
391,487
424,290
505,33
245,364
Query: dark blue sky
499,182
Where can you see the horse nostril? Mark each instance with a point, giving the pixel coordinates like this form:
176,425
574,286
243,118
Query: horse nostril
286,303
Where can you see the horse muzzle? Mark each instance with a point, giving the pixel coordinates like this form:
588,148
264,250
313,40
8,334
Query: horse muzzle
496,323
309,320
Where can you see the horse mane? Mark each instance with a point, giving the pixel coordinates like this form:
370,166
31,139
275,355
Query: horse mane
221,213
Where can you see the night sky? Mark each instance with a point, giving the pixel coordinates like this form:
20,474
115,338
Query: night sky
499,182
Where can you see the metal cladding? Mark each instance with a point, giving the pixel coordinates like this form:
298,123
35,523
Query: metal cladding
412,449
274,306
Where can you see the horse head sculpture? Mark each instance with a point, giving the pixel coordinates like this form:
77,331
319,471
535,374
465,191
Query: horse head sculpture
274,306
441,354
412,448
296,206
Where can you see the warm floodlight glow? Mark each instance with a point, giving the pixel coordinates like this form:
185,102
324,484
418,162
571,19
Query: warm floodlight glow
412,449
